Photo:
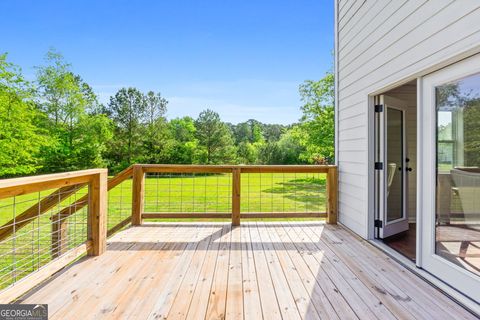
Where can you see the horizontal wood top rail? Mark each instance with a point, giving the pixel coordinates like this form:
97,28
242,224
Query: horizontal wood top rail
179,168
284,169
184,168
18,186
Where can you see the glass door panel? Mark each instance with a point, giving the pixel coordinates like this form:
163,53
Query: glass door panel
390,180
394,161
450,175
457,226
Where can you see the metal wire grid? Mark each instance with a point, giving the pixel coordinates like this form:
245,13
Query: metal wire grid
283,193
44,237
212,193
119,204
188,193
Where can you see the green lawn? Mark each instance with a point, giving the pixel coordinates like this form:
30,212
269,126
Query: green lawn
163,193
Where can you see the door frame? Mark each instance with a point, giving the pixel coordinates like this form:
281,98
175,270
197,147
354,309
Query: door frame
385,85
459,278
375,90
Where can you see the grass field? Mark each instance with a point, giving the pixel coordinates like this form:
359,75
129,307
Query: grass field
31,246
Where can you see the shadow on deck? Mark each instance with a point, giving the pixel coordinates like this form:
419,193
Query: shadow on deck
295,270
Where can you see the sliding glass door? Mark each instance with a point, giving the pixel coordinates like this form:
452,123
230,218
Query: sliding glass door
451,175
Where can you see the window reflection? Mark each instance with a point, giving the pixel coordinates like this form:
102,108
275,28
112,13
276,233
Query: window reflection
457,231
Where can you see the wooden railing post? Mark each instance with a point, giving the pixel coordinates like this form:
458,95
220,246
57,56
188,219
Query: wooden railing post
59,235
138,190
332,195
236,186
97,213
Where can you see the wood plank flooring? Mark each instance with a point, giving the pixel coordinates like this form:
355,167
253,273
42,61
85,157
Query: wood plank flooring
261,270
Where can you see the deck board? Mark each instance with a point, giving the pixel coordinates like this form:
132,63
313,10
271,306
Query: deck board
269,270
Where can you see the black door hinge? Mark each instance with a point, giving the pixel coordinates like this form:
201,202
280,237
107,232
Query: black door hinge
379,108
378,165
378,224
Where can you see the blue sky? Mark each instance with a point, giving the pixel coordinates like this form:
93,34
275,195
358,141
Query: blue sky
244,59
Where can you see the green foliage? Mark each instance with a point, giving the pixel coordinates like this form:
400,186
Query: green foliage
78,136
249,131
284,151
215,143
127,109
318,120
157,142
247,152
21,140
273,132
182,133
471,132
57,124
289,148
141,130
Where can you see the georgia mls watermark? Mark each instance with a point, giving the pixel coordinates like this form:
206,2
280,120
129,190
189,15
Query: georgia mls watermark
23,312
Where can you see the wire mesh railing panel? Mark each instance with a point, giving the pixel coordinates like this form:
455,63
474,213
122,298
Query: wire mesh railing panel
32,235
283,193
188,193
120,205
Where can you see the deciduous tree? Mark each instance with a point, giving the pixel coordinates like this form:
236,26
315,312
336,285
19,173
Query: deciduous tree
318,122
21,139
77,131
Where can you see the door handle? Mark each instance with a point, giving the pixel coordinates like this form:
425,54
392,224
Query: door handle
408,169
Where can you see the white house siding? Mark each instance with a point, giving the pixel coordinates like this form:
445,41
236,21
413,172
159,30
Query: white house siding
381,43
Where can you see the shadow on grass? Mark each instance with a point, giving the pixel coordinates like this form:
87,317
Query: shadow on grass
310,191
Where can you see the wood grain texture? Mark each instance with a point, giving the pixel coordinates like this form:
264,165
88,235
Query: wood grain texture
19,186
264,270
97,213
19,288
138,194
332,195
179,168
55,197
236,194
249,215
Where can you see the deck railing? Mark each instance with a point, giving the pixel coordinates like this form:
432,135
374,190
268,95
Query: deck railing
236,192
50,220
47,221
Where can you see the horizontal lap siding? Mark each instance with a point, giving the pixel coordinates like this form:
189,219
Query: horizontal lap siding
379,43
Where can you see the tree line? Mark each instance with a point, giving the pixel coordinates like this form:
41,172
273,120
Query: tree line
56,123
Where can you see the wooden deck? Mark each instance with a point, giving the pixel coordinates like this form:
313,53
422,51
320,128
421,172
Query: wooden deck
275,270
